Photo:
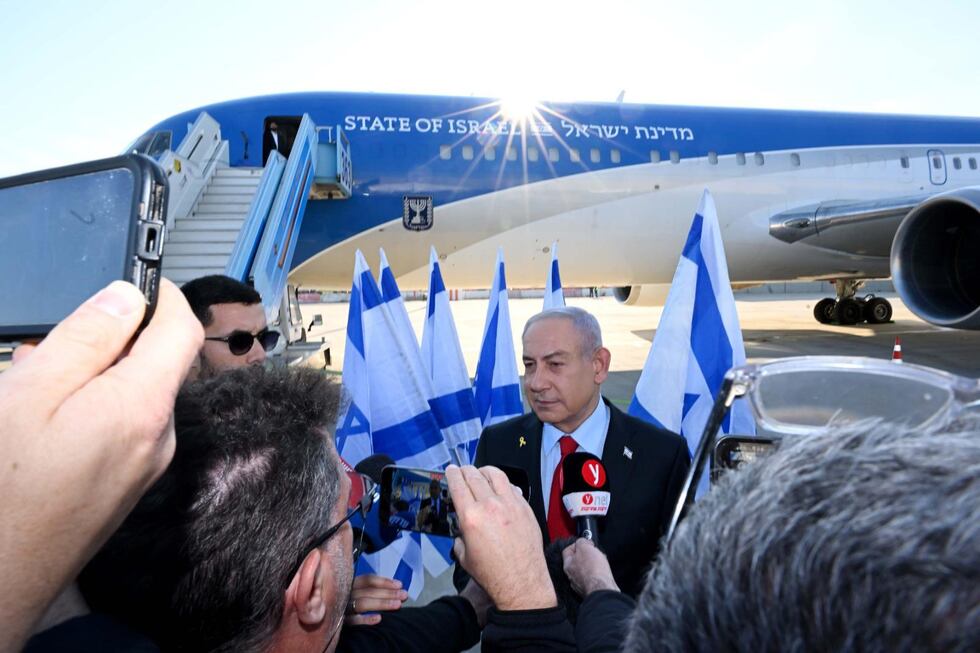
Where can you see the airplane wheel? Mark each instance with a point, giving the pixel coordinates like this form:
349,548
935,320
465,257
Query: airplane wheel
878,310
848,311
823,311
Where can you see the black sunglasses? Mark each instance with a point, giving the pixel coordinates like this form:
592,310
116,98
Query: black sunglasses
240,342
362,508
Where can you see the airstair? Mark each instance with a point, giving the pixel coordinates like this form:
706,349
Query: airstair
201,242
245,222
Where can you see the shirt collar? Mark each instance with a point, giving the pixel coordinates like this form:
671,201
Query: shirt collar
589,435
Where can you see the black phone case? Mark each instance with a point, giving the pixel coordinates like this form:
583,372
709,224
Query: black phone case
144,254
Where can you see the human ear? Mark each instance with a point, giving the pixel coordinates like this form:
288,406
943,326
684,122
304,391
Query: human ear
600,363
308,596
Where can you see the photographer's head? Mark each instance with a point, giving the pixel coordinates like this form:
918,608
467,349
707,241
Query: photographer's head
856,541
234,324
222,553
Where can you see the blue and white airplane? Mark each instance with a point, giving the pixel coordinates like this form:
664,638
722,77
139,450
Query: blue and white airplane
800,195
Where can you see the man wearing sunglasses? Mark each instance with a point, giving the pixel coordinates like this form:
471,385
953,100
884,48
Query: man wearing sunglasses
245,543
235,332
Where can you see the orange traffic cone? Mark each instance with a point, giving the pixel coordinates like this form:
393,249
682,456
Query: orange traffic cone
897,351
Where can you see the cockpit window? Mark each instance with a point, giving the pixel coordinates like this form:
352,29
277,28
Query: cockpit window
153,144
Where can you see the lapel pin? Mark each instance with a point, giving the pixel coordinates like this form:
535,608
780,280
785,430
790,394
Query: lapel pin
521,441
628,452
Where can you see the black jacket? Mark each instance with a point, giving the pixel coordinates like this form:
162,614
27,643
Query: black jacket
646,467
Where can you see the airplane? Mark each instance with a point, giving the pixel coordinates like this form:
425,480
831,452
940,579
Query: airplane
800,195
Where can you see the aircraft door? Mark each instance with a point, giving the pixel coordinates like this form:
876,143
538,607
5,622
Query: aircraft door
937,167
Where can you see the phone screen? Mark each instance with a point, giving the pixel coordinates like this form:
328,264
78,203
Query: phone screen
417,500
64,238
733,451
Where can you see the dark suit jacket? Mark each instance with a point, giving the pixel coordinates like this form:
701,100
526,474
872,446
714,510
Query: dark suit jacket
643,488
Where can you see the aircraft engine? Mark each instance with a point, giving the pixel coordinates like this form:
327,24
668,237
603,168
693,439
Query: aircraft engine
649,294
935,259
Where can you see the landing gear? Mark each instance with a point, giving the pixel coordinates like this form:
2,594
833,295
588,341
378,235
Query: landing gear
848,309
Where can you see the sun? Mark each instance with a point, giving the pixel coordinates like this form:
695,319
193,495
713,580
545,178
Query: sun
518,108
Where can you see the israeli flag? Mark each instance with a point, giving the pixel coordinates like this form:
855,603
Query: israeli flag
401,560
396,305
697,342
497,386
353,434
553,297
453,403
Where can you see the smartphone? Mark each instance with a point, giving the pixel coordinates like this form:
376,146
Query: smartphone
68,232
417,500
733,451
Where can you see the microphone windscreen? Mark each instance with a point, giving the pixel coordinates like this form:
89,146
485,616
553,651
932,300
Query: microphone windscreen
585,487
518,478
372,466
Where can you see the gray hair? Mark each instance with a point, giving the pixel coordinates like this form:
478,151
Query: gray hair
858,541
584,323
205,558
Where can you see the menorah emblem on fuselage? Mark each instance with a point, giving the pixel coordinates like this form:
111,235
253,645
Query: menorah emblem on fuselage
417,212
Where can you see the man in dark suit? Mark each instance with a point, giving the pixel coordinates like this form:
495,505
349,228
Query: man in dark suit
564,367
272,140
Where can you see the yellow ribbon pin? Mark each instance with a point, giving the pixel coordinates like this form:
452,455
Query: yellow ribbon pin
521,441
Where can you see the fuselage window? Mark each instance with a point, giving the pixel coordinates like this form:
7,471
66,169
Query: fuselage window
973,163
511,153
740,158
574,155
532,154
489,153
794,159
654,156
937,163
956,162
760,159
552,153
615,156
713,158
675,156
905,161
445,152
594,155
468,152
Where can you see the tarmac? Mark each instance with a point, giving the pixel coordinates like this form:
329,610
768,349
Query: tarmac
771,328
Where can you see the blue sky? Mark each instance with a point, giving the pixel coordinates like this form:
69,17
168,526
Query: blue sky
80,80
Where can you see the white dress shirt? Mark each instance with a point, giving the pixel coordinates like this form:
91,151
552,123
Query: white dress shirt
590,436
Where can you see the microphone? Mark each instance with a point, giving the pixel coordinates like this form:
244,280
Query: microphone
376,535
585,492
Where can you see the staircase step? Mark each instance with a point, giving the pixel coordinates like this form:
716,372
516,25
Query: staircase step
173,262
197,224
238,171
235,181
202,236
182,276
220,212
211,200
198,248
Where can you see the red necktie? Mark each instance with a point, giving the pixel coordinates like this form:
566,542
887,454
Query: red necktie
560,523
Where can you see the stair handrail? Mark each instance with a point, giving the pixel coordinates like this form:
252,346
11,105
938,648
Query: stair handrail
274,256
247,244
190,167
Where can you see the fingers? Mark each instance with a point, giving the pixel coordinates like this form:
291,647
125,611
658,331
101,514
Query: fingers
21,353
380,603
146,381
459,550
378,582
497,480
362,620
92,338
459,491
478,484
